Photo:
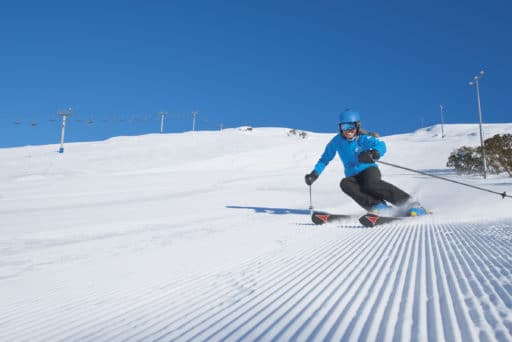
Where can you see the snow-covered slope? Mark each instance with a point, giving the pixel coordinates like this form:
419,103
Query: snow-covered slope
207,236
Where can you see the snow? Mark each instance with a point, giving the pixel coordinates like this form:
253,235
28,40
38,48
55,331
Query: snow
207,236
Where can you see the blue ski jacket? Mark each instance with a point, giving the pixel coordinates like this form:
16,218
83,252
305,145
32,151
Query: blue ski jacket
348,151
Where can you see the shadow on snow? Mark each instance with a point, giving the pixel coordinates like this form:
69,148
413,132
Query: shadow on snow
272,211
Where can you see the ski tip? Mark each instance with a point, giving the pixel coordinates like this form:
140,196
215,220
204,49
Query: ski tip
369,220
319,217
372,220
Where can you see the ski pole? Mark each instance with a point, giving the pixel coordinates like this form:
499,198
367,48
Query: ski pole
502,194
310,201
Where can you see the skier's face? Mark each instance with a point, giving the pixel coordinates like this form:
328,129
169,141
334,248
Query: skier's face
349,133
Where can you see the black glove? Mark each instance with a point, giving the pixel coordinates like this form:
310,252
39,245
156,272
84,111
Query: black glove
369,156
311,177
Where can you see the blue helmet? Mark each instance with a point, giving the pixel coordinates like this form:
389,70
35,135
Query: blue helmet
349,115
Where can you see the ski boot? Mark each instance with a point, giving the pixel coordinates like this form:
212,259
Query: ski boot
415,209
381,209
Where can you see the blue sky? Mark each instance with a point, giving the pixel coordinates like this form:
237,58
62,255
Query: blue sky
262,63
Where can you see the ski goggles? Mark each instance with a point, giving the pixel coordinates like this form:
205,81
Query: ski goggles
347,126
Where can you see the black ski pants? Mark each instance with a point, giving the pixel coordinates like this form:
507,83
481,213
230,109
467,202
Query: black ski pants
368,189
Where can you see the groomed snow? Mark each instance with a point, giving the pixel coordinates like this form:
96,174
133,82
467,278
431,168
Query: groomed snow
206,236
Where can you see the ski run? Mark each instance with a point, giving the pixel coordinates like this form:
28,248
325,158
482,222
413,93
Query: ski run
206,236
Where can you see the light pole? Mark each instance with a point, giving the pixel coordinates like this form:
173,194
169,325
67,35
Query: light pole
474,82
64,115
442,121
162,118
194,120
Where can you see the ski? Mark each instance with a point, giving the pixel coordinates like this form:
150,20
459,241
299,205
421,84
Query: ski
367,220
321,217
372,220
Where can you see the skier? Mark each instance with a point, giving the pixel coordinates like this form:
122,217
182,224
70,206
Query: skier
358,150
